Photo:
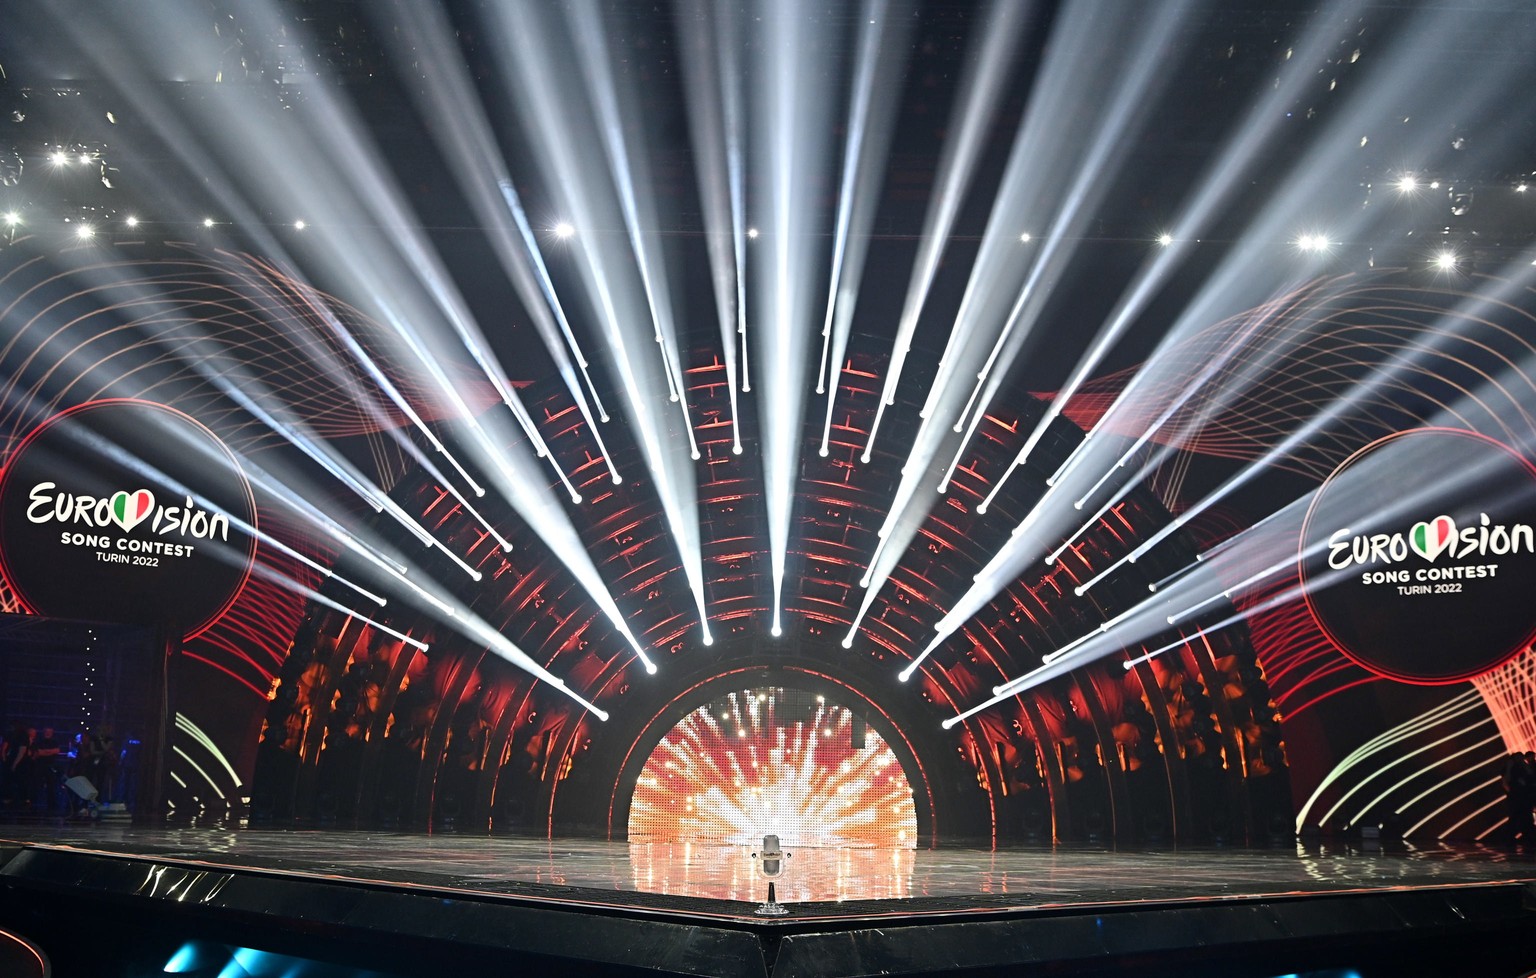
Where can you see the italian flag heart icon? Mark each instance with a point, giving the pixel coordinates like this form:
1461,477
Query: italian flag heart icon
129,509
1429,539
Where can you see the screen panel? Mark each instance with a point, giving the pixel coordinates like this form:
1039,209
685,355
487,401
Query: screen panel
775,761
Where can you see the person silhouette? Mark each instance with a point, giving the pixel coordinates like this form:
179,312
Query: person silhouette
1519,782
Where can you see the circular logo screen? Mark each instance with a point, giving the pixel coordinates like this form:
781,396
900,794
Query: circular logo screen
1418,555
126,511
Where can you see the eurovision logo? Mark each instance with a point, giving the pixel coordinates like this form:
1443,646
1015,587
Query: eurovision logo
1434,599
127,511
1430,539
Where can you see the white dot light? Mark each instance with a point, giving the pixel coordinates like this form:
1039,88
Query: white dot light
299,225
12,219
1025,237
131,221
84,231
58,159
1407,184
564,230
1446,260
752,233
1165,239
207,222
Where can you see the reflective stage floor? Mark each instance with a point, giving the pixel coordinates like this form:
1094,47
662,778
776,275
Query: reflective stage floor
824,882
405,905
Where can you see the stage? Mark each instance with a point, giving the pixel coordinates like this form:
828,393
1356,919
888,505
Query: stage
402,904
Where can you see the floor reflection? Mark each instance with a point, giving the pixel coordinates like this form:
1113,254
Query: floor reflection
810,874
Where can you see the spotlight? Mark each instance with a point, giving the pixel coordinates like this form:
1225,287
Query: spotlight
84,231
131,221
1025,237
564,230
1312,242
752,233
58,158
85,159
1446,260
12,219
207,222
1407,184
299,225
1165,239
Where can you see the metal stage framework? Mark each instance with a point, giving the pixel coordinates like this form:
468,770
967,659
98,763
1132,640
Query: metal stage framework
361,731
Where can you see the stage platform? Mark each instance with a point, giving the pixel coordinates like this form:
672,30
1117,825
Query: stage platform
404,904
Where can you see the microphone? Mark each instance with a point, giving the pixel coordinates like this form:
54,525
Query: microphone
770,862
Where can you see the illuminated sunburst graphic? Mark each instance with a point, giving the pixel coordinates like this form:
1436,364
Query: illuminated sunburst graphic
773,761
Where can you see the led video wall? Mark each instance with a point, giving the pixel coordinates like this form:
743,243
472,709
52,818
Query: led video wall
773,761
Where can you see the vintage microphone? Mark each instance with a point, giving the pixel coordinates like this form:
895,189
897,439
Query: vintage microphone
770,862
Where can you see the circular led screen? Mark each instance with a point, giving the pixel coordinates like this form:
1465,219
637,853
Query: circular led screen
126,511
773,761
1419,555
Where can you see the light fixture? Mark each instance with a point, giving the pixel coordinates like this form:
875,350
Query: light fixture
58,158
207,222
12,219
131,221
564,230
1165,239
299,225
84,231
1025,237
752,233
1446,260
